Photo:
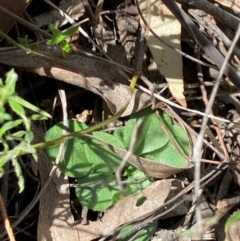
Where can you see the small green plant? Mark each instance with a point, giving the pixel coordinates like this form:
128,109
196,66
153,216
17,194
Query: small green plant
9,127
61,37
94,165
25,41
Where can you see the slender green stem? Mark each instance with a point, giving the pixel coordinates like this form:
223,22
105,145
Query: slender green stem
22,47
90,129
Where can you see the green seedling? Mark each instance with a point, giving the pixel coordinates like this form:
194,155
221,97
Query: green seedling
22,137
25,41
93,164
61,37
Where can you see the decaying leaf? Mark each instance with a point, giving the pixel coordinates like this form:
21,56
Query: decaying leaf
89,72
127,210
167,27
11,6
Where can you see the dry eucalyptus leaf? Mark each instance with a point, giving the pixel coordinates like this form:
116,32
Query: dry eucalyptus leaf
11,6
89,72
127,211
168,28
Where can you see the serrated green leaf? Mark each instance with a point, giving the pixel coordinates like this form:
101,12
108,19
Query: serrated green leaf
26,148
74,162
19,175
150,135
9,125
18,134
24,41
98,198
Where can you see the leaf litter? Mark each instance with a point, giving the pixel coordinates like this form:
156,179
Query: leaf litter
105,81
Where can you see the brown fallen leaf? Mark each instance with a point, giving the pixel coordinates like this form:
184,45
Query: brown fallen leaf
11,6
127,211
89,72
168,28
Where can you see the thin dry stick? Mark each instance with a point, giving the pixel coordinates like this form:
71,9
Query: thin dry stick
129,152
25,23
71,21
206,102
159,213
199,141
216,12
141,87
148,28
205,22
98,9
84,33
202,40
6,220
89,13
161,98
63,99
